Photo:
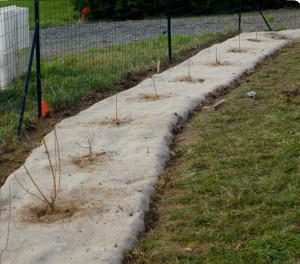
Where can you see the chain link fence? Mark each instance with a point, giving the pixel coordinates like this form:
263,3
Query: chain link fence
81,53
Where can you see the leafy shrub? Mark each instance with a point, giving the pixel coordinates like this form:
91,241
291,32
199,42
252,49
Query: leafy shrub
138,9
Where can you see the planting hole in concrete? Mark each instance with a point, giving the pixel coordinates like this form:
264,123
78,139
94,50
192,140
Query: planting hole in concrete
42,214
254,40
147,97
235,50
88,159
189,80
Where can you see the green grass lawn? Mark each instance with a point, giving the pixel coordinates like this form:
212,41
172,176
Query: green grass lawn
52,12
67,79
233,196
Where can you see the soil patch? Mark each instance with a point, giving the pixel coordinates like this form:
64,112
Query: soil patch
254,40
216,64
78,204
291,96
147,97
235,50
89,159
189,79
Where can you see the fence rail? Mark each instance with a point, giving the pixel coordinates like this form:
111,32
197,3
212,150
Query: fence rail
79,55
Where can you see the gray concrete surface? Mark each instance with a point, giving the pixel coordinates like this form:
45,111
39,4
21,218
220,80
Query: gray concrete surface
103,201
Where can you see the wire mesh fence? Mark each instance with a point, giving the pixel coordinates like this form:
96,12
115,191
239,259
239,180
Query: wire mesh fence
86,47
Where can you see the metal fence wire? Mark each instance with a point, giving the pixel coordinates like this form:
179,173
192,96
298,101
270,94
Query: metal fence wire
85,47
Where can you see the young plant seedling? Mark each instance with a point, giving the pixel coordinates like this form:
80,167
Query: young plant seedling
116,118
89,145
189,71
154,85
158,66
89,158
55,166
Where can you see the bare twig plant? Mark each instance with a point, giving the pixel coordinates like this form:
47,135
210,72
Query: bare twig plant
189,71
55,169
158,66
154,85
89,146
116,119
55,166
89,158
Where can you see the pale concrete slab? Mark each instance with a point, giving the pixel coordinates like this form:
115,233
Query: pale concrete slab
107,199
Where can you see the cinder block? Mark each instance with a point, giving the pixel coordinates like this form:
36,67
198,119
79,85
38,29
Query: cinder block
7,69
22,23
22,58
8,32
14,43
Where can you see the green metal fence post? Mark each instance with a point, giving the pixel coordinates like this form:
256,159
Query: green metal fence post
38,59
169,29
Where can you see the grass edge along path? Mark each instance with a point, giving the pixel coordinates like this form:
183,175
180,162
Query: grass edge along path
67,79
232,195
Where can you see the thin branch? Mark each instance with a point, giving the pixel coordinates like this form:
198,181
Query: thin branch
154,84
116,108
22,186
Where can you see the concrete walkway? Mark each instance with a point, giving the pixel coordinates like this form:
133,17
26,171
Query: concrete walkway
109,170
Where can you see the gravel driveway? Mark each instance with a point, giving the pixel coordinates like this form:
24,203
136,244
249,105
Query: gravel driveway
80,38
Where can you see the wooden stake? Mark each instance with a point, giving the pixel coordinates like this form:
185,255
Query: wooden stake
158,66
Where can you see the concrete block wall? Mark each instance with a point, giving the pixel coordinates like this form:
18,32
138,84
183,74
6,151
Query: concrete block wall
14,43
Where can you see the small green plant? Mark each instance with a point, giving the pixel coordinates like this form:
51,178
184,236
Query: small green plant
281,27
271,19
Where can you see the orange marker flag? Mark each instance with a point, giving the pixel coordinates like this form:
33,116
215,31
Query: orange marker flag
45,110
84,12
